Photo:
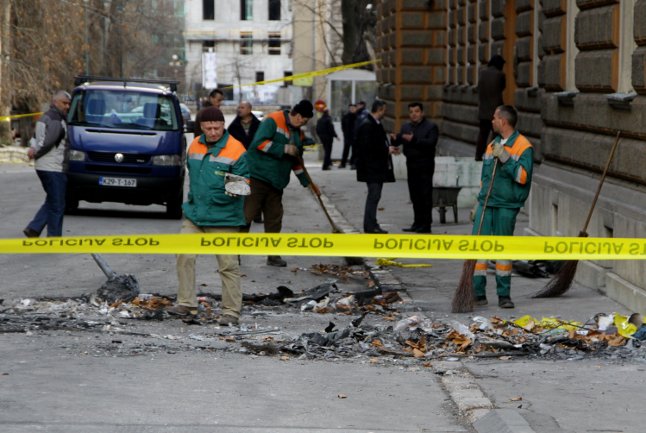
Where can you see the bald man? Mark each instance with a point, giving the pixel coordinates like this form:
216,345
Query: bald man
244,126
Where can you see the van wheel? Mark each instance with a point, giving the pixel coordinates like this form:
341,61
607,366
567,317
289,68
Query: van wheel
174,205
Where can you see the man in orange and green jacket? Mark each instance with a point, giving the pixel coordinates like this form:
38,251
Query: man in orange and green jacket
512,155
273,154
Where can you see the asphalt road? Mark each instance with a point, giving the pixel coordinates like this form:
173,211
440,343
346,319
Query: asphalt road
167,376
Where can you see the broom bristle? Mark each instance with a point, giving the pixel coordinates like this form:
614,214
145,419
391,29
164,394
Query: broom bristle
560,282
463,297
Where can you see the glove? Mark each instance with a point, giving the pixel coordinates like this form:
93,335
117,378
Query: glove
292,150
500,152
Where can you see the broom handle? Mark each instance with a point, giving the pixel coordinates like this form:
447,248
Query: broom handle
603,177
309,179
484,206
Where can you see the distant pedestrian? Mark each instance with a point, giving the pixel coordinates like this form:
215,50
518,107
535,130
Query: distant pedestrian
419,138
273,154
216,96
49,150
374,164
491,83
244,128
245,125
347,127
212,209
512,155
326,133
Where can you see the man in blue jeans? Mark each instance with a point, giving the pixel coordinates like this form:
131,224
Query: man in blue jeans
48,150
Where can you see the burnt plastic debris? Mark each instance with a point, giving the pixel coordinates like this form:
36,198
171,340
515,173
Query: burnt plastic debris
314,294
536,268
118,288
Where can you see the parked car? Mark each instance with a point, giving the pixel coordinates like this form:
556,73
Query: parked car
186,113
127,143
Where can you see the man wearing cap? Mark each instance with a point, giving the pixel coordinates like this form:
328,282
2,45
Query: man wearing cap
491,83
272,155
210,208
326,132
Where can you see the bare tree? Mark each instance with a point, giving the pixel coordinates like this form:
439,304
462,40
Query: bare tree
45,43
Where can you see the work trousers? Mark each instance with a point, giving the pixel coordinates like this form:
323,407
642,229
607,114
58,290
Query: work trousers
229,270
267,199
420,188
52,211
483,138
327,152
372,202
499,222
347,148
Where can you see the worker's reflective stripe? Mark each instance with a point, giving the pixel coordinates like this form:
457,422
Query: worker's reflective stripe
222,159
503,268
481,268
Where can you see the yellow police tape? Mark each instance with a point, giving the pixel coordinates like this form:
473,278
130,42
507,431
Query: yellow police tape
309,74
341,245
19,116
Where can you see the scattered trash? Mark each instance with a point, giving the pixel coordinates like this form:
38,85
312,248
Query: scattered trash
392,262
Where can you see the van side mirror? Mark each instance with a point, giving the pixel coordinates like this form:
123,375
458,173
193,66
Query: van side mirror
190,126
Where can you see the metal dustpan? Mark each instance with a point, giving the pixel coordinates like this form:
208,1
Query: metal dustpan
123,287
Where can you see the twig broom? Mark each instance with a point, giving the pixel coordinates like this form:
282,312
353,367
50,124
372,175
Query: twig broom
463,297
562,280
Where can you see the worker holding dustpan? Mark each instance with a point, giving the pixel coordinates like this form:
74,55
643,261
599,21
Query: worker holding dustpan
218,182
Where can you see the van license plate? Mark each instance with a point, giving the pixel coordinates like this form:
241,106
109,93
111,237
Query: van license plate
118,181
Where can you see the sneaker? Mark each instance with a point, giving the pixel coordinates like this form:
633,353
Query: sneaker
276,261
30,233
505,302
181,310
228,320
481,300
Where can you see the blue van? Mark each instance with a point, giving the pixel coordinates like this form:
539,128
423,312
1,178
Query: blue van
127,143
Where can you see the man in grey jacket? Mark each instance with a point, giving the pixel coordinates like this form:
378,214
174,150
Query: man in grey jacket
48,150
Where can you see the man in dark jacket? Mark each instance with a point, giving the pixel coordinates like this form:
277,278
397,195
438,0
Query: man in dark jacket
326,133
245,125
48,148
419,137
491,83
347,126
374,164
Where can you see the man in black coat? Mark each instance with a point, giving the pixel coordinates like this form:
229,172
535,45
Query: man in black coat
326,133
419,137
347,126
244,126
491,83
374,164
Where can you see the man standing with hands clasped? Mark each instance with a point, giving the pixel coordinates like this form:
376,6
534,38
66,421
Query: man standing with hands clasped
48,148
511,155
419,137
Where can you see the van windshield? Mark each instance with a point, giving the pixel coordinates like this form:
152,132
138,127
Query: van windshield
123,109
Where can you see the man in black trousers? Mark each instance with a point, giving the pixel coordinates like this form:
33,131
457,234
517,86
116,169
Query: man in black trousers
419,138
347,126
374,164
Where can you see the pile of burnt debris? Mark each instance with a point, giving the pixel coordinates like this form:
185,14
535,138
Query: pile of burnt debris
374,326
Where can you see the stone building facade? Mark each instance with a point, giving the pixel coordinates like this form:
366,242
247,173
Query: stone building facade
576,71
